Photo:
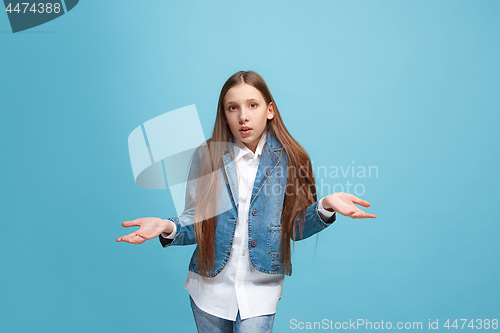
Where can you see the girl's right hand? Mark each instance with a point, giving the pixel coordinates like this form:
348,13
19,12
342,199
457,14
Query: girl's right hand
149,227
344,204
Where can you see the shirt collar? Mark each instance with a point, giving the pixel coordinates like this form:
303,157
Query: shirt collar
242,150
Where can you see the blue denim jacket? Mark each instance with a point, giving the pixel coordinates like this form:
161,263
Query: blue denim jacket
264,218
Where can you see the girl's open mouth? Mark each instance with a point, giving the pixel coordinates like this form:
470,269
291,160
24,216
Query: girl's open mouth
245,131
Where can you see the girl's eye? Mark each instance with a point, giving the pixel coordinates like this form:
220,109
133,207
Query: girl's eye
230,108
254,105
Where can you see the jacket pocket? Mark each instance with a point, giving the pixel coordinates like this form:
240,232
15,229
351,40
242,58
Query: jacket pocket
273,241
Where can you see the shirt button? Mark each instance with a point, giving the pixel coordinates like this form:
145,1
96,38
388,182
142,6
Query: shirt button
242,253
254,243
254,212
239,285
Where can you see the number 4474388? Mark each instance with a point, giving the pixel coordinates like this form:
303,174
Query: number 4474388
480,324
40,8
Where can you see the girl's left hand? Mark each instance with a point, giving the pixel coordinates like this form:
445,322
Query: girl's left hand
344,204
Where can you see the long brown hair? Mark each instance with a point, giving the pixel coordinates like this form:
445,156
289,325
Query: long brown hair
300,191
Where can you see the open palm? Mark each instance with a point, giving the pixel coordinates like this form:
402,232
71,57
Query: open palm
344,204
149,227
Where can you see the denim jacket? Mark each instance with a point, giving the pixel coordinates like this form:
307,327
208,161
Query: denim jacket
264,217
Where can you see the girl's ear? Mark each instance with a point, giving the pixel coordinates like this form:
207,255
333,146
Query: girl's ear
270,111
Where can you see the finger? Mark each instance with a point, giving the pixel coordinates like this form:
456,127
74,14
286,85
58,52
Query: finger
134,239
359,201
148,233
142,236
365,216
129,237
131,223
145,235
362,215
346,212
351,213
137,240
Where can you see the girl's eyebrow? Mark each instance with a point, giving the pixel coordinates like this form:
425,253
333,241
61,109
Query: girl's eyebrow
248,100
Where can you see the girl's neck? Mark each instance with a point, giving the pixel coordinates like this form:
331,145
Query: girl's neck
253,145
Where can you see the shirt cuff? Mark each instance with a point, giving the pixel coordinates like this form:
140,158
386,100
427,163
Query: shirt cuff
172,234
323,213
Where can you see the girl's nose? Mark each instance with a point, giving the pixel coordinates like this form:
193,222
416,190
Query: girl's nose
243,116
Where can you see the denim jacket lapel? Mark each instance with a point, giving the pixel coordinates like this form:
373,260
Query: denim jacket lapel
231,173
271,154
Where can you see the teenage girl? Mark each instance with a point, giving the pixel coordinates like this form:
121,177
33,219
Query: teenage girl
251,190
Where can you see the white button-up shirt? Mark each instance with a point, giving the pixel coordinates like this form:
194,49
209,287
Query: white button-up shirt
239,286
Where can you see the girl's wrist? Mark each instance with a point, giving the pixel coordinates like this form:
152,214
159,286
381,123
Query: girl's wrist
326,206
169,228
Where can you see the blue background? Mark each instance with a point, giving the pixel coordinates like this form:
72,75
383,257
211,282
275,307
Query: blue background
411,87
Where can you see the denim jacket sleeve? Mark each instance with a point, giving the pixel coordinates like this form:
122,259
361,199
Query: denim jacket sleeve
313,222
184,224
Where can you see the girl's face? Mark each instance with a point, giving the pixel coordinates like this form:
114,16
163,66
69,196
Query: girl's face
245,108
